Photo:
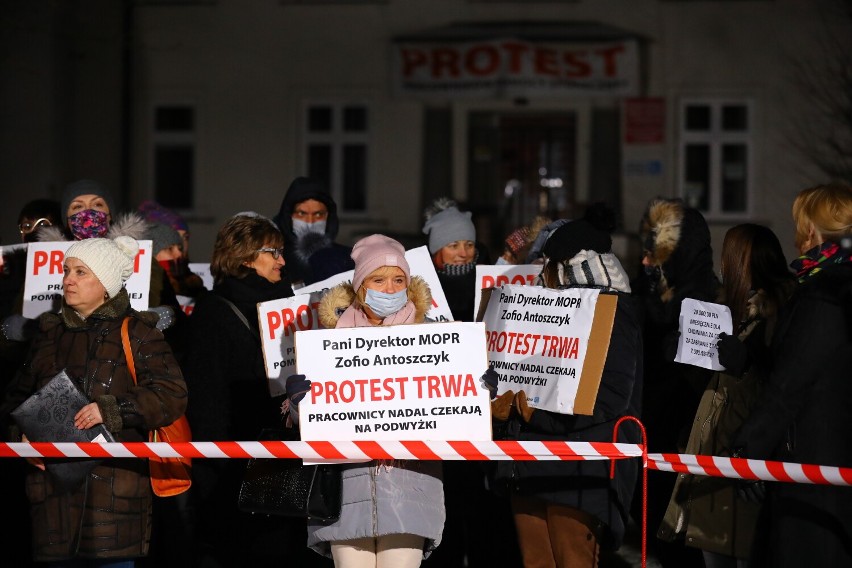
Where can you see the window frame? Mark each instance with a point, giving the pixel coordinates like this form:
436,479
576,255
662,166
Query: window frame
716,138
338,139
183,138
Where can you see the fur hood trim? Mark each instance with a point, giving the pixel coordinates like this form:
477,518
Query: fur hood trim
661,228
337,299
129,225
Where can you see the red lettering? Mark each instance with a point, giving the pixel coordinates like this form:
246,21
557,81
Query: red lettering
482,60
545,62
411,60
516,51
487,282
577,65
445,60
609,57
287,318
519,279
501,280
434,386
302,321
273,320
136,261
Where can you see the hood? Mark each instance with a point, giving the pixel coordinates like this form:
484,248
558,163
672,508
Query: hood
679,241
337,299
300,189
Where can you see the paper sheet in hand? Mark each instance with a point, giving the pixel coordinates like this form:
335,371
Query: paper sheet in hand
48,416
700,326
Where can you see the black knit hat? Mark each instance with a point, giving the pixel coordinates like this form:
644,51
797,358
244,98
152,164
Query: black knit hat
574,236
86,187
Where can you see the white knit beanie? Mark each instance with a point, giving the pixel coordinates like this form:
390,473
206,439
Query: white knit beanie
110,260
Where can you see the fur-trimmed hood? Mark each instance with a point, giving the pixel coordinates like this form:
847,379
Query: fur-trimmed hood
129,225
336,300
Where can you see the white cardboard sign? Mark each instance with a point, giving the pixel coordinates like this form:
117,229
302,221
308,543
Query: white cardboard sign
403,382
43,284
700,326
539,339
494,275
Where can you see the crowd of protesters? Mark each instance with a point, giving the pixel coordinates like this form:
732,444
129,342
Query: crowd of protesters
784,391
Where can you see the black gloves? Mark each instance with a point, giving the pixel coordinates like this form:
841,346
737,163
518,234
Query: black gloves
296,387
489,380
733,354
751,490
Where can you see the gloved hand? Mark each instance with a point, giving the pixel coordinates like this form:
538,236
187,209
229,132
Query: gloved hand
522,407
733,354
502,406
489,380
296,387
18,328
165,315
751,490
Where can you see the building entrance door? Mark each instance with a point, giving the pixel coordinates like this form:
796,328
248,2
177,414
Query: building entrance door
520,166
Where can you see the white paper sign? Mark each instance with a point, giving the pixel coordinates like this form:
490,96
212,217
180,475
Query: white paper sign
43,284
494,275
278,319
700,326
202,269
537,340
403,382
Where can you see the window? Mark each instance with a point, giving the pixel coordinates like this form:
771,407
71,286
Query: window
174,156
336,140
716,156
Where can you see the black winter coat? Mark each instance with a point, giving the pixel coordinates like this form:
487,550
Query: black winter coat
586,485
804,417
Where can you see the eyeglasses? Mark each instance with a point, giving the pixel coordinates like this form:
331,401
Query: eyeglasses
27,228
276,253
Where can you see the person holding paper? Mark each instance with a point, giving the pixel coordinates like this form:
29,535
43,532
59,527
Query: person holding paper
226,376
393,511
804,413
566,511
106,520
756,284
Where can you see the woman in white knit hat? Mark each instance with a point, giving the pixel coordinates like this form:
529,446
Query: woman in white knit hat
393,511
105,519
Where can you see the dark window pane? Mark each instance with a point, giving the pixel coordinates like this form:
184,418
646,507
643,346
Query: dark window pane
319,163
173,176
355,177
355,119
734,178
697,176
174,119
320,119
697,117
735,117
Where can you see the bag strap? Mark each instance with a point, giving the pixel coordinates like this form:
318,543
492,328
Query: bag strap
241,316
128,353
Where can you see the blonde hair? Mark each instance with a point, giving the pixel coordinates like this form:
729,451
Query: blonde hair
825,209
361,292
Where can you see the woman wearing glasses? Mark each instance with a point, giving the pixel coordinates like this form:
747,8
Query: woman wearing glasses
226,378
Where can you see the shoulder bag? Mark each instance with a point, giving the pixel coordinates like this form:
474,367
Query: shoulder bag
169,476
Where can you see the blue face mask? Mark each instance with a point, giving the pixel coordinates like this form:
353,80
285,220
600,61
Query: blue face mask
384,305
302,228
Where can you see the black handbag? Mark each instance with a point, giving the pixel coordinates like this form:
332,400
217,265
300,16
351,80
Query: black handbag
288,488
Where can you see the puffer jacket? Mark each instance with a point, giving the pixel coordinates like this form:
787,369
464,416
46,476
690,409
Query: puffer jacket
383,497
109,515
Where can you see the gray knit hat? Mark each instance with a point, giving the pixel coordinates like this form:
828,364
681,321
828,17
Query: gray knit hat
110,260
163,237
448,225
86,187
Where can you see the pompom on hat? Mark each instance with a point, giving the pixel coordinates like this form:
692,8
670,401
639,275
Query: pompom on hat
110,260
156,213
374,252
445,224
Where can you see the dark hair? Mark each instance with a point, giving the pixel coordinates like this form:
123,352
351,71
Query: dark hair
237,243
38,208
752,259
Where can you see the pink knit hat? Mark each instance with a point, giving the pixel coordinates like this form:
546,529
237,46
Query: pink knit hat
374,252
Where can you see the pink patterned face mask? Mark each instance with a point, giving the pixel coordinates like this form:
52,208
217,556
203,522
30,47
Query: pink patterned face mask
88,224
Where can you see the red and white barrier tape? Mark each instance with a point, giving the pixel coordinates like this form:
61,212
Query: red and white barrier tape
332,451
742,468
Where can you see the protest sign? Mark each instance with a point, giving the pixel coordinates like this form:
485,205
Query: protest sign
700,326
278,319
43,283
493,275
202,269
551,344
403,382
